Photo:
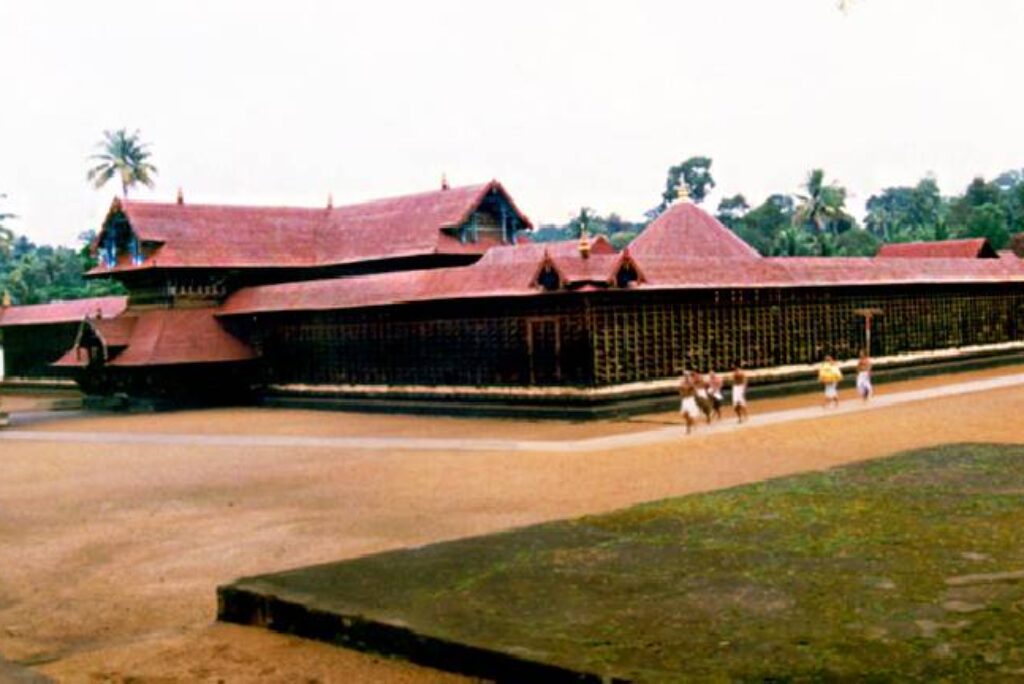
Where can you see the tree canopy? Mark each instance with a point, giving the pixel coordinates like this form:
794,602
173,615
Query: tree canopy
34,274
6,234
695,174
122,155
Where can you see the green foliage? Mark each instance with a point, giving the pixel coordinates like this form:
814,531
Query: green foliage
905,214
621,239
857,243
819,225
761,227
122,155
731,210
991,210
695,173
793,241
988,221
619,231
898,569
36,275
6,235
822,208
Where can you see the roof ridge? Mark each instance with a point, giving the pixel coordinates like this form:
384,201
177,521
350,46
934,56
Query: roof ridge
283,207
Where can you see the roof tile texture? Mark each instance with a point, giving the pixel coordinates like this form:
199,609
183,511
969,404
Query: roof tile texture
214,236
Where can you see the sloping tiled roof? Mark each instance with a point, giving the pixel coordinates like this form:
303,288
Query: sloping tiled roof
212,236
505,276
175,336
76,357
823,271
159,337
685,231
61,312
973,248
502,272
115,332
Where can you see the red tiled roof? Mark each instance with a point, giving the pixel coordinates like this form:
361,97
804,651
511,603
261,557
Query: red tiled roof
972,248
512,272
61,312
822,271
76,357
598,268
509,279
517,278
211,236
175,336
509,271
114,332
685,231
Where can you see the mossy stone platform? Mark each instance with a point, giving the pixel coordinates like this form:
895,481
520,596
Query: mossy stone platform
906,568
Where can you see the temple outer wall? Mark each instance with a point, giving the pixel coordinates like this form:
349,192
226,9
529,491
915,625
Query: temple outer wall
647,336
29,350
604,339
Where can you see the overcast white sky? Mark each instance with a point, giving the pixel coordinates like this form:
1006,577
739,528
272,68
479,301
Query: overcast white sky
568,103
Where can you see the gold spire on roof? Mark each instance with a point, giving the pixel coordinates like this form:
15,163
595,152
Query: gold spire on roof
7,299
181,196
682,192
444,182
584,242
330,200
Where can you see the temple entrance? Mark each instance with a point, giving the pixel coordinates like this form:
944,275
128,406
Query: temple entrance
545,349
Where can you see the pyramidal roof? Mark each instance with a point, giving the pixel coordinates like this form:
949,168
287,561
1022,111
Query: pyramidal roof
686,231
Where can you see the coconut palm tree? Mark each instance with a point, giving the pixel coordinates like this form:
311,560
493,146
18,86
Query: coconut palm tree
822,203
6,234
124,156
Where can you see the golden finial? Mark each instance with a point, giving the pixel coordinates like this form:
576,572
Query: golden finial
584,243
444,181
330,200
682,192
7,299
181,196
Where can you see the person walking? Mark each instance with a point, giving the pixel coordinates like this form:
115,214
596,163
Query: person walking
739,392
829,376
715,383
864,386
700,384
688,401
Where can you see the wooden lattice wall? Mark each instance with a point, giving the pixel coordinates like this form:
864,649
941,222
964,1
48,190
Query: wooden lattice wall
544,343
626,336
664,333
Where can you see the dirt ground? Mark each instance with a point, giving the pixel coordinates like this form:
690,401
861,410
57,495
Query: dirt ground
110,554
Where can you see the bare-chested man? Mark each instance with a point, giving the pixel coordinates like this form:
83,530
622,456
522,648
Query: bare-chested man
739,393
688,400
715,383
864,387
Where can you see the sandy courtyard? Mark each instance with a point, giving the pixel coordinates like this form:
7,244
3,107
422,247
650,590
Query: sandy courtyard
110,553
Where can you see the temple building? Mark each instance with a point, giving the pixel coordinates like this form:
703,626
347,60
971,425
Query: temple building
441,296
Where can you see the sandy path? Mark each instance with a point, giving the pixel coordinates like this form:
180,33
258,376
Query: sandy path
109,554
285,422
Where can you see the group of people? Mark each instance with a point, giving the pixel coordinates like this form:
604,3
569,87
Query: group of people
703,395
830,375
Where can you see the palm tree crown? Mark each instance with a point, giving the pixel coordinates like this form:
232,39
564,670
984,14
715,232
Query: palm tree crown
6,234
124,156
822,203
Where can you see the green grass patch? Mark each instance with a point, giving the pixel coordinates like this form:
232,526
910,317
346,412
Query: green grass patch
831,575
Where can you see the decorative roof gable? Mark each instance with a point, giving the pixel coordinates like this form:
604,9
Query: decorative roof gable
183,235
685,231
